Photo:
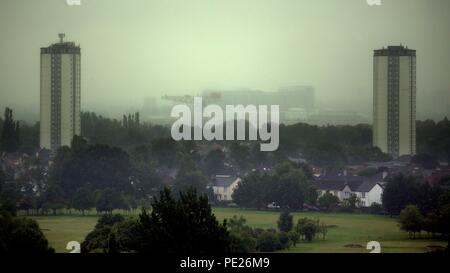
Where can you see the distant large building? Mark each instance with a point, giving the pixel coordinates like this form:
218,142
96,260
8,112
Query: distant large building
394,100
60,94
295,101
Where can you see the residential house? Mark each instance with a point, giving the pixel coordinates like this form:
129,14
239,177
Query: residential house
224,186
368,190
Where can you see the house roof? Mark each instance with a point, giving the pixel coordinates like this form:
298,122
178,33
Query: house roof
355,183
366,186
224,180
330,185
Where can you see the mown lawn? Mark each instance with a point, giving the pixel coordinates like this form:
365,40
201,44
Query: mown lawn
355,229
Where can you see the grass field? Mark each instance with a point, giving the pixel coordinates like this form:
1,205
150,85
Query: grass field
356,229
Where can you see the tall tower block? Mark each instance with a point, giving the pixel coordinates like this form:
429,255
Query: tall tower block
60,94
394,100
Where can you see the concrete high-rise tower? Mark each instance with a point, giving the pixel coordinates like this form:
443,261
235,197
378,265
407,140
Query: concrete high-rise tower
394,100
60,94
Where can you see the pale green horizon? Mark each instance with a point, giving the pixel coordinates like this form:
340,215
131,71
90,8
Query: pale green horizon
148,48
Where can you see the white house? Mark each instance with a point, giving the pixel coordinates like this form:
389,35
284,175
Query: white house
368,191
224,186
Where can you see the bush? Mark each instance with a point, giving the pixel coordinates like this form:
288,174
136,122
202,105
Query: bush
294,237
242,237
285,240
285,222
308,228
268,241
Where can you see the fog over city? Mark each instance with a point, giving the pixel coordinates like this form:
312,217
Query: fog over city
140,49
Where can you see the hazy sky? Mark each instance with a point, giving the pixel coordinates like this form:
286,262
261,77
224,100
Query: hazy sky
132,49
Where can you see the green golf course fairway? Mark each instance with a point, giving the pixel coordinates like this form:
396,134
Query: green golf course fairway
346,229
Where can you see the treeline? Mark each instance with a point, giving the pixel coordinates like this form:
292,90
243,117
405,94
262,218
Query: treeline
17,136
401,190
90,175
433,138
330,145
127,133
86,176
421,206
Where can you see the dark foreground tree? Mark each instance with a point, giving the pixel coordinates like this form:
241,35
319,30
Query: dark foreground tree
184,225
103,238
21,236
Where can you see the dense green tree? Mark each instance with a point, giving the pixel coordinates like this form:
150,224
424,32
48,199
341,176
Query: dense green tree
214,161
307,228
411,220
399,192
289,187
189,176
108,199
252,191
102,238
83,199
186,225
433,138
21,236
165,151
100,166
54,198
285,221
428,197
240,154
145,181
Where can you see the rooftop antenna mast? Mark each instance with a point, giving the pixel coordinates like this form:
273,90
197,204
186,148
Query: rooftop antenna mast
61,37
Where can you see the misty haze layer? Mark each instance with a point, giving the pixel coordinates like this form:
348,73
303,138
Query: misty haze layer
132,50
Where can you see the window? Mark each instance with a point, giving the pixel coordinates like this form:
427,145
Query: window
363,195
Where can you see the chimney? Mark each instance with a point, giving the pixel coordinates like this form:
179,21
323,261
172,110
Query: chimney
61,37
